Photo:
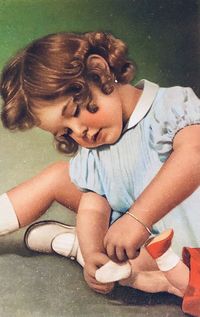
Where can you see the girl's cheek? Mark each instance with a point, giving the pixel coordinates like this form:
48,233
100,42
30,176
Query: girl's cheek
91,118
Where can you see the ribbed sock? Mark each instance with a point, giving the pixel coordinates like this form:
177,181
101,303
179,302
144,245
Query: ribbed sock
8,218
168,260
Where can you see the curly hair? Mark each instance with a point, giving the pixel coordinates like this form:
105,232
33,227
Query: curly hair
57,65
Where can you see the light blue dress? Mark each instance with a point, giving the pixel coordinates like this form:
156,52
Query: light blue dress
121,171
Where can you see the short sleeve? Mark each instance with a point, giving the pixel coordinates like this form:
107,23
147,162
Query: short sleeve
84,172
174,109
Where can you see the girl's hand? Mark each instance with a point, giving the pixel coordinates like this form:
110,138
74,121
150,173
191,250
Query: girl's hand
94,262
124,239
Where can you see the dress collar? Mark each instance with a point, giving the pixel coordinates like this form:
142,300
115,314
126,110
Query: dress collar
145,101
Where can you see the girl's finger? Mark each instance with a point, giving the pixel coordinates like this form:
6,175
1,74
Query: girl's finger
99,286
101,259
111,252
105,243
121,254
132,253
91,269
103,288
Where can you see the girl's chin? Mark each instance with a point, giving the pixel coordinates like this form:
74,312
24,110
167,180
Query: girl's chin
104,139
112,139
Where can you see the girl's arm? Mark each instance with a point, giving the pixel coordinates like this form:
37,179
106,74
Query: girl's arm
178,178
92,225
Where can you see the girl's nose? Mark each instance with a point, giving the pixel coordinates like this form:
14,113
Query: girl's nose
78,129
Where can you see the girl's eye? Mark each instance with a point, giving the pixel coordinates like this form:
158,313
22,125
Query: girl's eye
67,132
76,111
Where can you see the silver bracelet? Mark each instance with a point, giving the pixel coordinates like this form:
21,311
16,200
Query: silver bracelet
138,220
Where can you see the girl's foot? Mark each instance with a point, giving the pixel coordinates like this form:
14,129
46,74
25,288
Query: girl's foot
160,250
55,237
151,282
158,245
39,236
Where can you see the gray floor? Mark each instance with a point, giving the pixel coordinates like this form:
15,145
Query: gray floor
35,285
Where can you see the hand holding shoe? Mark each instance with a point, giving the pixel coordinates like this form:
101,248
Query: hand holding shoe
93,263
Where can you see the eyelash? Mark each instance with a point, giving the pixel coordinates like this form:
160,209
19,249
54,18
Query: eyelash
75,114
67,133
77,111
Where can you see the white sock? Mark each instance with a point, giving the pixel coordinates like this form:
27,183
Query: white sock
168,260
8,218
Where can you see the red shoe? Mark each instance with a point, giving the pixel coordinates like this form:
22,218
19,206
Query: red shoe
191,299
160,244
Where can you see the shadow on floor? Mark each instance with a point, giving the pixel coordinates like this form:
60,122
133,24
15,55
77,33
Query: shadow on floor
36,276
129,296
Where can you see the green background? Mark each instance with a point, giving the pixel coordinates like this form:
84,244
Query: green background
164,40
163,36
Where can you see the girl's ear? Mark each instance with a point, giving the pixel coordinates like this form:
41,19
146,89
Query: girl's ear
98,61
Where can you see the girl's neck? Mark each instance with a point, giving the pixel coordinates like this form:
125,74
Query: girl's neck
129,97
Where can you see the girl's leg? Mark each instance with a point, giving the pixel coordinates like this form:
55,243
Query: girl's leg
184,275
179,277
146,276
176,272
151,282
142,273
32,198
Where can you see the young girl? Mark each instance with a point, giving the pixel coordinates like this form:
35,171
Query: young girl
138,161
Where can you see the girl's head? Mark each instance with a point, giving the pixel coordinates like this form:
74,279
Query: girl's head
63,72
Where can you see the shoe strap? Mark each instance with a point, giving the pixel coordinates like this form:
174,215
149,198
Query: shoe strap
75,253
74,250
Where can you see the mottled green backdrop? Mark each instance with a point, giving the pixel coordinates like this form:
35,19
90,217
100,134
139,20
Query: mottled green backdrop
163,35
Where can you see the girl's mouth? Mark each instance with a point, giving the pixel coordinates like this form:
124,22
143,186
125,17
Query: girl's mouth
96,136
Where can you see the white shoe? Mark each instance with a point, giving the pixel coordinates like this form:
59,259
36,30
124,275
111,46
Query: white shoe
66,244
53,237
56,237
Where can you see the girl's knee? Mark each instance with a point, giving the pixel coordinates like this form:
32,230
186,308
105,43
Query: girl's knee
57,173
60,168
60,165
65,192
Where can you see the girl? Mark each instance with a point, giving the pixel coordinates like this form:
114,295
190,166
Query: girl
139,149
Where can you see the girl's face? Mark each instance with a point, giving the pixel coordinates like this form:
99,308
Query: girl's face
90,130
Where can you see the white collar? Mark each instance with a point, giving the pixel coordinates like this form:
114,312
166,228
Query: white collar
146,99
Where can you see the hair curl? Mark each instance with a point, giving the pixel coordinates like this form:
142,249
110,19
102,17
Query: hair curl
57,65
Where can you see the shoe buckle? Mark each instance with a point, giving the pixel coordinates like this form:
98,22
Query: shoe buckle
72,258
